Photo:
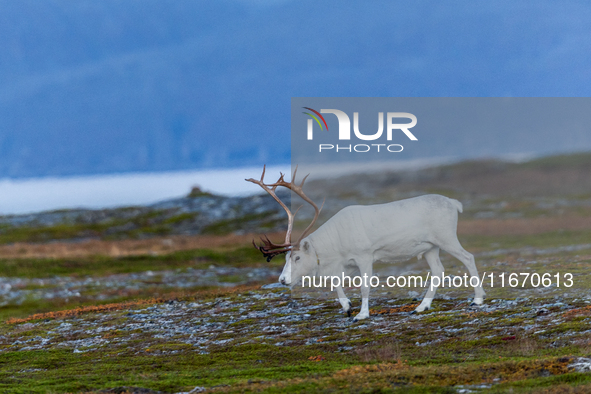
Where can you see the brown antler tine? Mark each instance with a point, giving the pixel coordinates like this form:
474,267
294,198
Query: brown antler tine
293,177
263,175
266,241
304,180
259,182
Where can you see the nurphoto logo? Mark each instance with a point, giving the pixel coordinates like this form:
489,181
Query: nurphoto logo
344,133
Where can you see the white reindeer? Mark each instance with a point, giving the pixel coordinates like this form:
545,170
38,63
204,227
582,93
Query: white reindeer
357,236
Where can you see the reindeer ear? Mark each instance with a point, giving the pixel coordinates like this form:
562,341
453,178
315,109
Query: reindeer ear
306,246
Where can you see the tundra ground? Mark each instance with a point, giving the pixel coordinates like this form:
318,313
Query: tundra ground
157,330
179,313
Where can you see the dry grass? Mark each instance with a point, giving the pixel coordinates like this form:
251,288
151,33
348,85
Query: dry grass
169,244
568,176
524,347
154,246
523,226
566,389
220,291
389,311
519,182
577,312
363,369
122,390
380,377
384,351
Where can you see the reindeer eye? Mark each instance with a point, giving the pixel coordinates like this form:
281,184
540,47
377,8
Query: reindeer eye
297,258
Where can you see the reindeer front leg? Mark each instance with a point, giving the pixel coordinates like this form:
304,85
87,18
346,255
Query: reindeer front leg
345,302
366,271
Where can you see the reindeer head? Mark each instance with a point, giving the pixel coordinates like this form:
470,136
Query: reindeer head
302,260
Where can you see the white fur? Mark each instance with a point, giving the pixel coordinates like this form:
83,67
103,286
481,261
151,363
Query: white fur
357,236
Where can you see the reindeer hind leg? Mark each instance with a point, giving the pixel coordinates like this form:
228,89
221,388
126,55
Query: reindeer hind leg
432,257
455,249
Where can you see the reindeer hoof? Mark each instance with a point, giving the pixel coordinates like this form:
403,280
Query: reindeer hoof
423,310
413,313
349,313
360,317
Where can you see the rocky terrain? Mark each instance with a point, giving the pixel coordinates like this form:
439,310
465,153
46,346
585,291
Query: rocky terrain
467,349
197,213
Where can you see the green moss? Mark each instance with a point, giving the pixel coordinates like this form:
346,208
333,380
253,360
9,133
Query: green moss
226,226
543,240
104,265
244,322
181,218
60,231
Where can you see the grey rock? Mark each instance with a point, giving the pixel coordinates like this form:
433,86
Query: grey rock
274,286
581,364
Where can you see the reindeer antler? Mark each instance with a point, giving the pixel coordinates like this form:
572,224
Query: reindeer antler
300,192
268,248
